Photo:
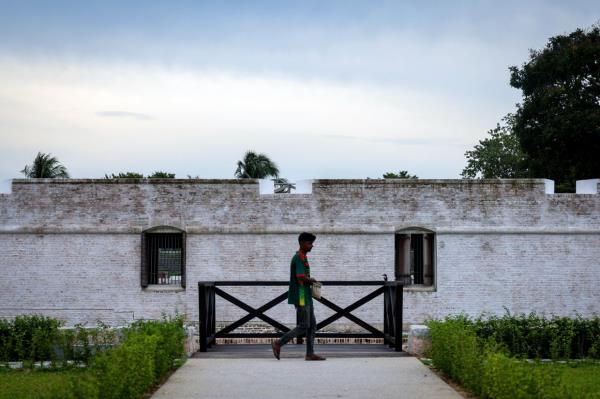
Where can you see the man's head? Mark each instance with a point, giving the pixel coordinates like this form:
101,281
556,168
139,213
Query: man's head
306,241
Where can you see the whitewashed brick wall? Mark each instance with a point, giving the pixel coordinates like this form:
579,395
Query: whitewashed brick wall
71,249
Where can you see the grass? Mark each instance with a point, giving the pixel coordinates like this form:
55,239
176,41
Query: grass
582,379
38,384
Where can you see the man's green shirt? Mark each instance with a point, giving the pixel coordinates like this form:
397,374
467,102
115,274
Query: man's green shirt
300,293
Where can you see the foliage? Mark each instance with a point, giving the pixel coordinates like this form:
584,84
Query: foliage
47,384
170,335
498,156
125,175
555,132
456,350
161,175
148,352
31,338
45,166
403,174
533,336
558,122
28,338
126,371
256,166
479,355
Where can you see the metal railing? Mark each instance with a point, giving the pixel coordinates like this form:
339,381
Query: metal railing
392,292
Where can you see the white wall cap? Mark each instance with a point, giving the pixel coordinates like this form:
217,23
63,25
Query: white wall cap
304,186
589,186
266,186
6,186
549,186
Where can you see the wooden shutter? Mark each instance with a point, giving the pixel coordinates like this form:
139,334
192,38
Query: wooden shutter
183,256
144,265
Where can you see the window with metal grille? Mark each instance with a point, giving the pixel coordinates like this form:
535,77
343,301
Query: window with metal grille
414,256
163,259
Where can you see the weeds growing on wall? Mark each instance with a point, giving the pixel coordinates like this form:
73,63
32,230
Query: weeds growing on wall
488,356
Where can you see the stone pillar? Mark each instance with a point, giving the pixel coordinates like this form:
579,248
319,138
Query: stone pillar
403,258
428,240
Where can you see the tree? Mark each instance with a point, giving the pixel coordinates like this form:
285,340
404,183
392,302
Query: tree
256,166
403,174
125,175
558,122
498,156
162,175
45,166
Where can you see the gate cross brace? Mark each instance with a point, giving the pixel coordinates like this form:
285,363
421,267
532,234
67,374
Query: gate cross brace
252,313
346,312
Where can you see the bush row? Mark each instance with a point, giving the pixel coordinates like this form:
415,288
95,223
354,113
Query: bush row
148,351
485,366
31,338
533,336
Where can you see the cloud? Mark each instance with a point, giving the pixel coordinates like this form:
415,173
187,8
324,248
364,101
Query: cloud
124,114
208,119
413,141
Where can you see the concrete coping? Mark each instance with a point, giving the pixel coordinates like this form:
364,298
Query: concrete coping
313,181
266,186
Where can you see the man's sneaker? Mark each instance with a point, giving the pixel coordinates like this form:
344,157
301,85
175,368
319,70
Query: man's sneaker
314,357
276,349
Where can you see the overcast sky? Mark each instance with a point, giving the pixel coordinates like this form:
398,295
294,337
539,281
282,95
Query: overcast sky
338,89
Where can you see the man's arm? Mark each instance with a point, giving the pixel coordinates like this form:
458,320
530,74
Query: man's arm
301,273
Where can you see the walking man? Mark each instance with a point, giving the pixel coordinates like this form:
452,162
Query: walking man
300,295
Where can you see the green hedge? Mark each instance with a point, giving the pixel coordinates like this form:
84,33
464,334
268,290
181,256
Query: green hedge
28,338
148,352
532,336
31,338
480,360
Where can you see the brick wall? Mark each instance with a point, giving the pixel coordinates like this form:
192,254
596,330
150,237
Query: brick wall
71,249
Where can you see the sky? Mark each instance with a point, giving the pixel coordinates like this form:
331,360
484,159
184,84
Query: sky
326,89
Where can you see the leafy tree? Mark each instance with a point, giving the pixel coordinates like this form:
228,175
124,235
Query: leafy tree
403,174
558,122
45,166
498,156
126,175
162,175
256,166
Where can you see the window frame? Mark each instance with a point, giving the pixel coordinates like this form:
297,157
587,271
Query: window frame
144,269
400,264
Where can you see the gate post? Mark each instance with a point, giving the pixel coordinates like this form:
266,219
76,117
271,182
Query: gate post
202,313
399,288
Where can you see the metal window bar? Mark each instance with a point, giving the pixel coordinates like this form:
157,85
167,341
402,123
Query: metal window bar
164,254
416,250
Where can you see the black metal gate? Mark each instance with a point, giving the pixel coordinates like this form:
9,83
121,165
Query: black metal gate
392,312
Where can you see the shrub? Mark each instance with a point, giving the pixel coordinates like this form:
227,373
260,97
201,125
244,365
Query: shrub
148,352
532,336
485,356
170,340
456,350
28,338
128,370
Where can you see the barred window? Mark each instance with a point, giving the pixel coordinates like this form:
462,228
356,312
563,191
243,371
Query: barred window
163,258
414,257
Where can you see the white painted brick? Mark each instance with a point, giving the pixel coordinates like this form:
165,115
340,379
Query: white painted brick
72,250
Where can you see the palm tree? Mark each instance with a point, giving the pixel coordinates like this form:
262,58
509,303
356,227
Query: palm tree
45,166
256,166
